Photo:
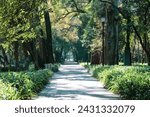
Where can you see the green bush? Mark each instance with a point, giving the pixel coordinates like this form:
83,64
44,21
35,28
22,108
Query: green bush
95,69
109,76
25,84
133,86
131,82
7,92
53,67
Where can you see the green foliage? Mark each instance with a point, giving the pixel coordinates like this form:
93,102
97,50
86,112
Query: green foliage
23,85
80,52
133,87
60,47
109,76
52,67
95,69
16,21
7,92
129,82
55,67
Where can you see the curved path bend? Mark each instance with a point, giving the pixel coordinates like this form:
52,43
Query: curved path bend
72,82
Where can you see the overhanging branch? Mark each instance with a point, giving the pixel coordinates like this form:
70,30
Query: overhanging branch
116,7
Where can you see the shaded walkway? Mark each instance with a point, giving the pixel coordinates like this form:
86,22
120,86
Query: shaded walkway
73,82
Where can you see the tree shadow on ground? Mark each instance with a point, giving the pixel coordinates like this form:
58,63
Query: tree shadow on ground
74,94
73,82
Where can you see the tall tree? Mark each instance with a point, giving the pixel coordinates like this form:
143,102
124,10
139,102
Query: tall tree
49,49
111,36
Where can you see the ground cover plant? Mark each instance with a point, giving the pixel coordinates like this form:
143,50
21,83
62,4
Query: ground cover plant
23,85
130,82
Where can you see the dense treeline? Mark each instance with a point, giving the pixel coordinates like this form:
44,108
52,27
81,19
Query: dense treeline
122,36
25,34
43,32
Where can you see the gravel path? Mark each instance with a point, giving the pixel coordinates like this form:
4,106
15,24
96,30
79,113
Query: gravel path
73,82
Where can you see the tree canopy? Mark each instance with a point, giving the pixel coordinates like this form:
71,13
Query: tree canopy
44,32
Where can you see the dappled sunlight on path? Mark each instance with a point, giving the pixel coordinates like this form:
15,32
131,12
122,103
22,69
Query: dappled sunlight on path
73,82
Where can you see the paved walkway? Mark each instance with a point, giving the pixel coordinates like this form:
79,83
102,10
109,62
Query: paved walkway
73,82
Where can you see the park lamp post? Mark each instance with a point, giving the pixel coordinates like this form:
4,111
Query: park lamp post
103,20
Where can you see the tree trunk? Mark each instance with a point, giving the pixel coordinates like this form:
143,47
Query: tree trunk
16,55
148,59
127,59
145,40
5,57
96,58
49,50
33,53
116,32
42,50
26,56
111,37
